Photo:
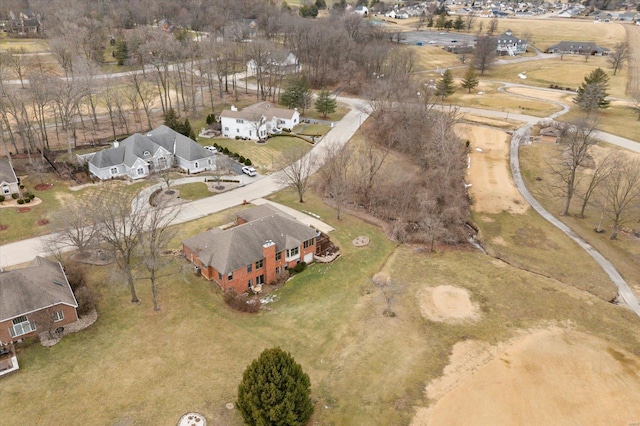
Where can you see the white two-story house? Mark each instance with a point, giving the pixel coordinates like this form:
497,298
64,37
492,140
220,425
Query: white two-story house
257,121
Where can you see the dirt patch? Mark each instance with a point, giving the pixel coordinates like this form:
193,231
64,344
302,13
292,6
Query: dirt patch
554,376
43,186
23,209
42,222
4,227
447,304
492,188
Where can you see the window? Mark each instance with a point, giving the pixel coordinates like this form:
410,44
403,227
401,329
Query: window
21,325
239,121
220,276
237,130
260,280
226,129
308,243
279,255
249,267
209,161
5,189
293,252
114,170
230,276
58,316
140,171
195,165
260,264
278,270
250,283
250,132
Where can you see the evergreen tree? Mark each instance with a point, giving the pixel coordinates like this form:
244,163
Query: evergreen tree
325,104
441,22
297,94
274,391
592,93
308,11
470,79
458,24
321,4
444,86
171,119
121,51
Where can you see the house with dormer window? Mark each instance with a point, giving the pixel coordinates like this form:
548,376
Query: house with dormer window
139,155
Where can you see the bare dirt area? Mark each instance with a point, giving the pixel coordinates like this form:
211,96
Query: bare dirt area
633,39
552,376
548,95
492,188
447,303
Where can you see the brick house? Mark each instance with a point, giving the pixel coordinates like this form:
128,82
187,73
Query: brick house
34,299
265,243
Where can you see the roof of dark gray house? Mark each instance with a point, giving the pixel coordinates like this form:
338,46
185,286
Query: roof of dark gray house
234,248
37,286
7,174
578,46
261,211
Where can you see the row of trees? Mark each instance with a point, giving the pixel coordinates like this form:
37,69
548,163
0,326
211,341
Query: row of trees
612,186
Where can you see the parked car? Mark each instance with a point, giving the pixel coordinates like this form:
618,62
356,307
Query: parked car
212,149
432,42
276,131
248,170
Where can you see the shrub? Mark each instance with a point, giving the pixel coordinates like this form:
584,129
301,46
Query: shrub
21,186
237,138
20,201
225,150
87,299
32,196
14,196
300,267
26,200
275,391
247,162
1,198
242,302
76,275
241,159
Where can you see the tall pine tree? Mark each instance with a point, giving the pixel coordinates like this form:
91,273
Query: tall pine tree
592,93
325,103
444,86
470,79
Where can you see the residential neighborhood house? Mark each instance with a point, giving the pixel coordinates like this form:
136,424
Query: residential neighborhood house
257,121
508,44
25,23
578,48
279,62
265,243
8,180
35,298
138,156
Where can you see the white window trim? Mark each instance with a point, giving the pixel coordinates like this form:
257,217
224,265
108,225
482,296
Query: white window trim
113,171
22,326
58,316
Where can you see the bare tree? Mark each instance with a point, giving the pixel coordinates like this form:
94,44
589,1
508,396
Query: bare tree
154,240
388,289
469,20
299,165
599,175
576,138
16,61
120,224
493,26
145,93
618,56
485,53
335,175
622,189
78,230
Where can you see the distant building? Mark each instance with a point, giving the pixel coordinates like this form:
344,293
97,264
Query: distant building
578,48
8,181
508,44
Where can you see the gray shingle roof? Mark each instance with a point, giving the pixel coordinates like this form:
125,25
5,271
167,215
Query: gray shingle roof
229,250
261,211
7,174
35,287
145,146
255,111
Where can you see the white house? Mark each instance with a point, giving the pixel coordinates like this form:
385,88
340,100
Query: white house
508,44
139,155
362,10
8,180
257,121
279,62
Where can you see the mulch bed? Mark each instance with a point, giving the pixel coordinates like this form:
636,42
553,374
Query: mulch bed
23,209
42,222
3,227
43,186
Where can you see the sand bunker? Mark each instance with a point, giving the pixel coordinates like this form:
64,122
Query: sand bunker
553,376
447,304
492,187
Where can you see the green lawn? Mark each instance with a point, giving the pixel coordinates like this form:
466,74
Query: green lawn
266,157
193,191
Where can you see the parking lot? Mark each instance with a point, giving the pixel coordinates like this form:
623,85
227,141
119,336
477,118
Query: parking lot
438,38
